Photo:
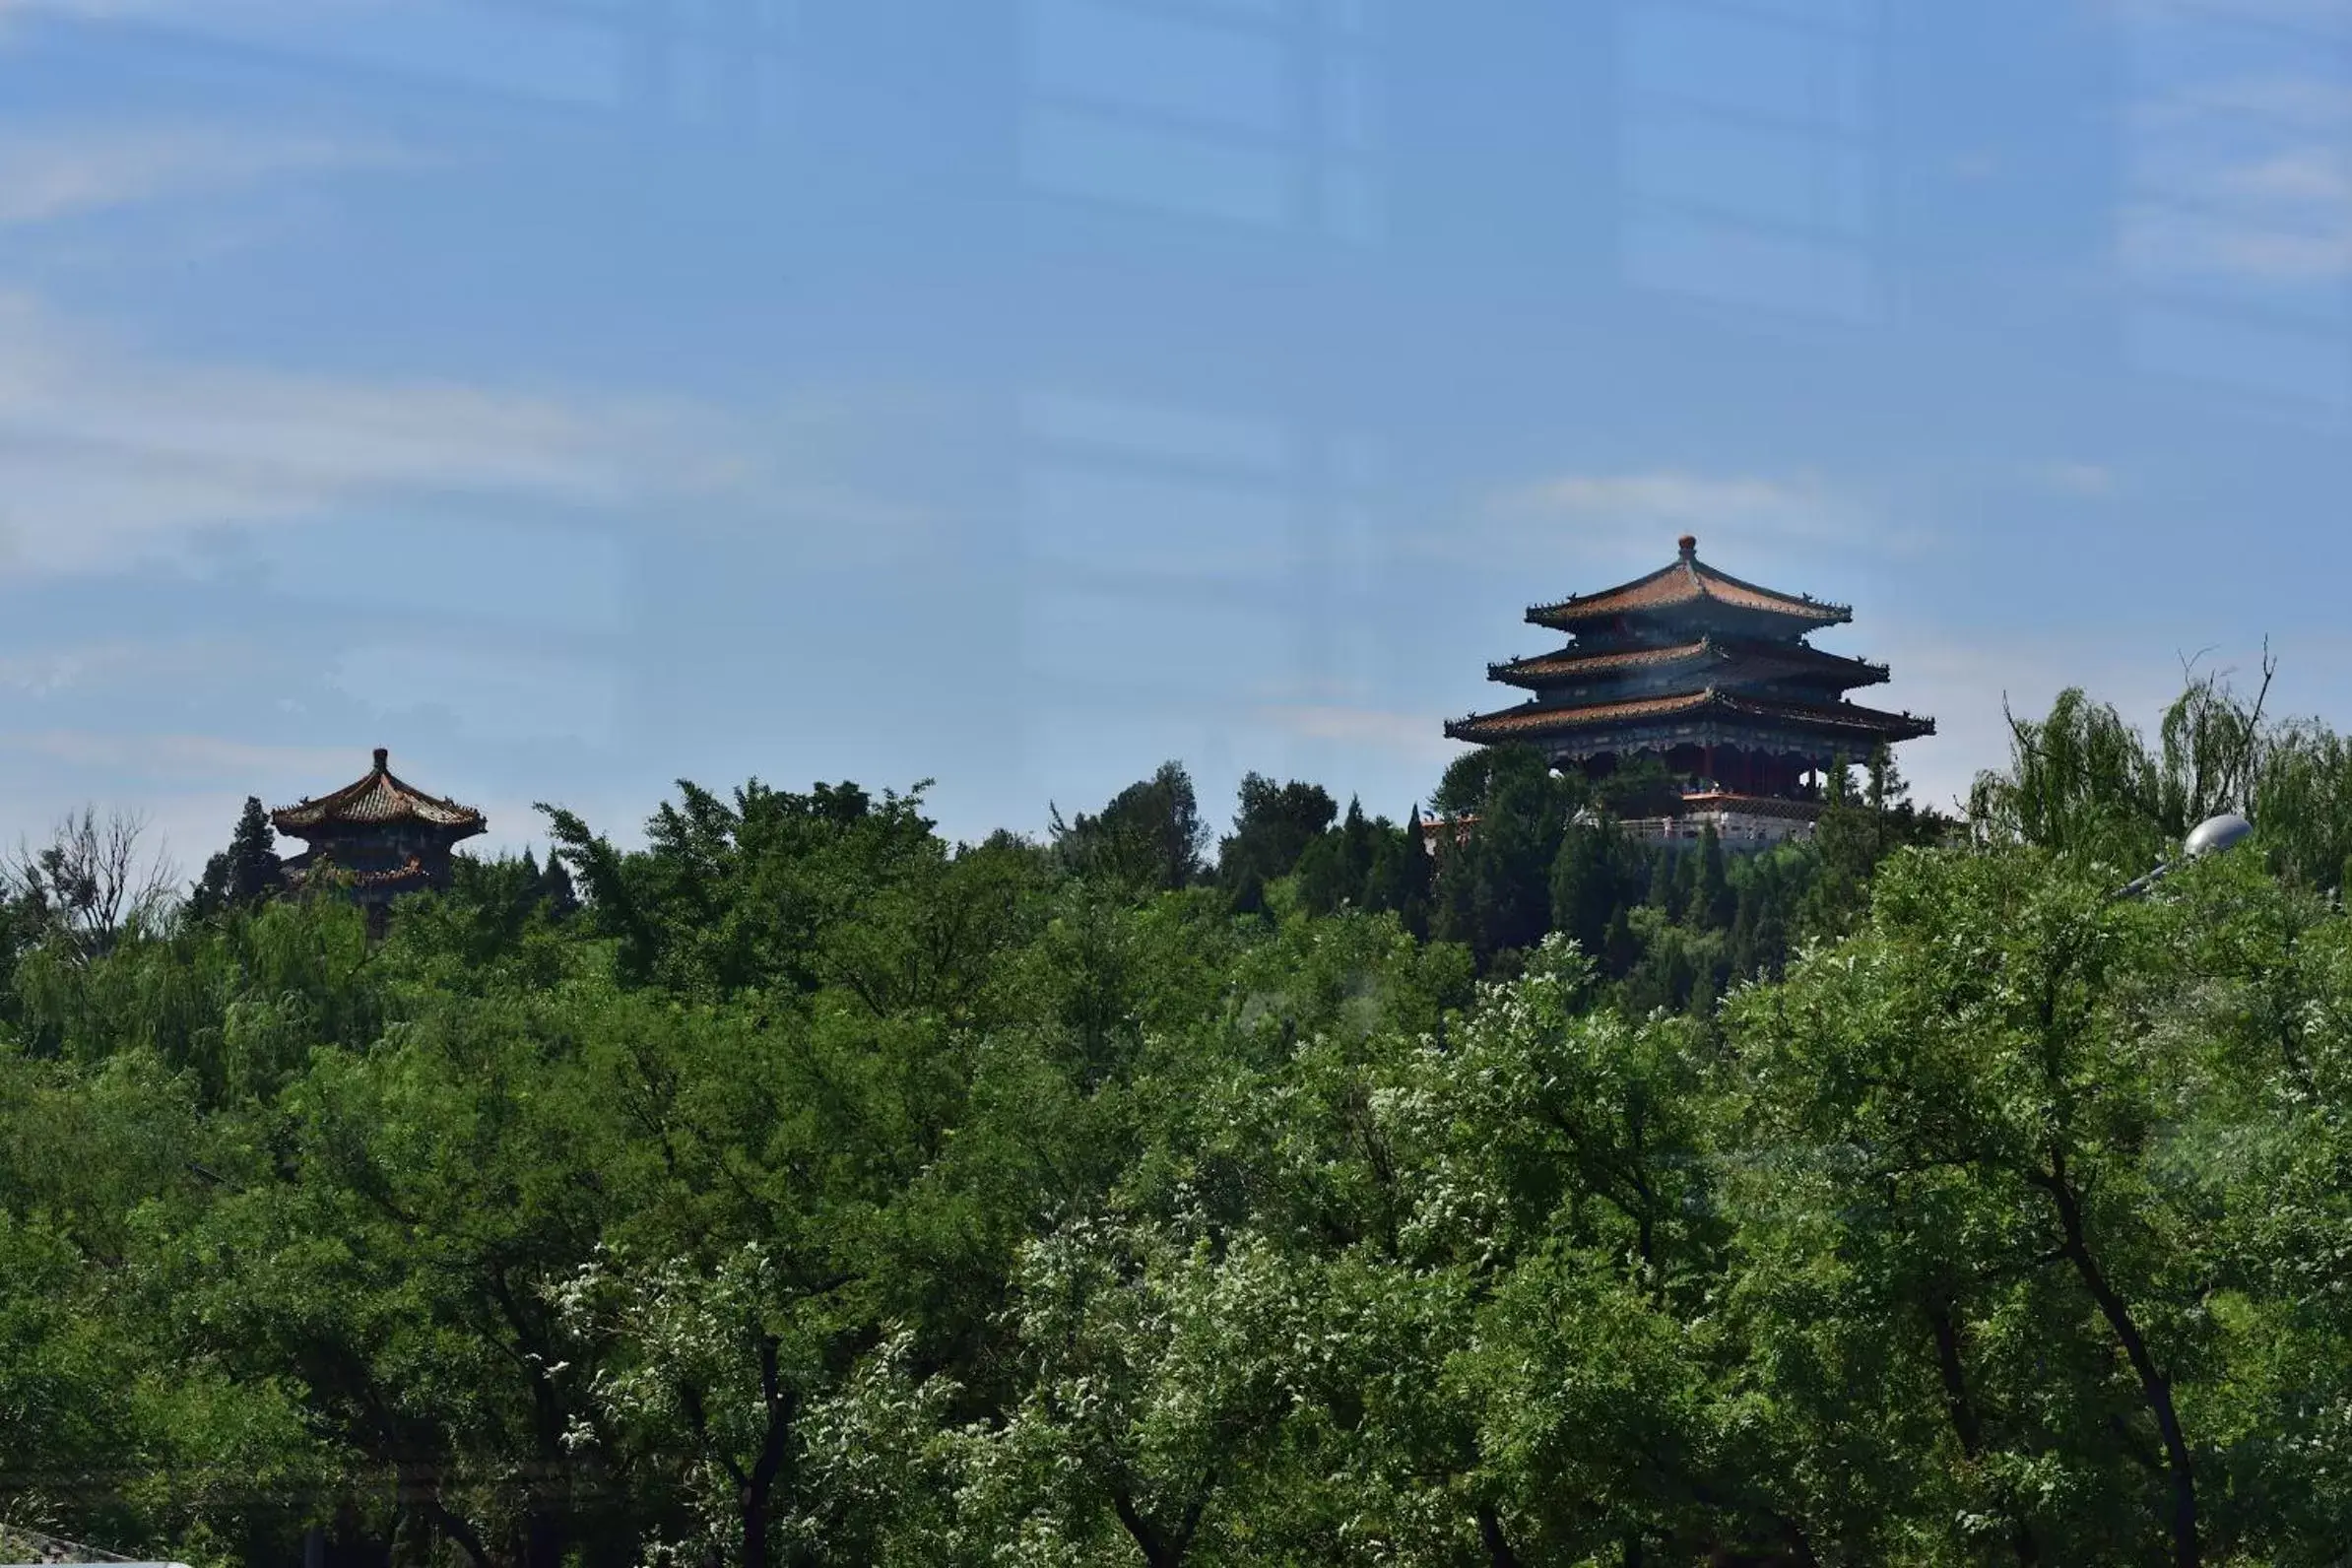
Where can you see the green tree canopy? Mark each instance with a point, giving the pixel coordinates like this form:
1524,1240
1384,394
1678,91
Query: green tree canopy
817,1191
244,874
1150,836
1274,826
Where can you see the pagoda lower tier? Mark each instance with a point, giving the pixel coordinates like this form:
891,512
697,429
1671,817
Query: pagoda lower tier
1730,739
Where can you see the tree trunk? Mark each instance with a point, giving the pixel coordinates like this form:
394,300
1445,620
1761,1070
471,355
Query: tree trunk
1966,1422
1159,1548
1490,1532
544,1539
758,1487
454,1529
2187,1550
548,1505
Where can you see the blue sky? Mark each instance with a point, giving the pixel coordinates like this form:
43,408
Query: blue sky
573,395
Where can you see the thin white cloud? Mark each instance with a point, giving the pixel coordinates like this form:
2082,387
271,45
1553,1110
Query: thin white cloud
76,10
2276,98
2239,177
178,756
110,454
46,675
1415,737
1677,497
2089,479
2313,14
2289,242
19,19
65,171
1617,519
82,670
103,11
487,695
2304,174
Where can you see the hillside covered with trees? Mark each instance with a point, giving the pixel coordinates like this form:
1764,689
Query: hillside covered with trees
804,1189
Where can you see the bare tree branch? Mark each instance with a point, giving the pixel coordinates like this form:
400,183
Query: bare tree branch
93,880
2244,762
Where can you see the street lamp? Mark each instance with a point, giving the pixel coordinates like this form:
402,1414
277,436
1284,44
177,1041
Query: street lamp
2209,837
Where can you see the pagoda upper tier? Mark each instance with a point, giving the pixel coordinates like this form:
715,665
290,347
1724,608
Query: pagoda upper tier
1705,671
1709,658
375,803
1690,596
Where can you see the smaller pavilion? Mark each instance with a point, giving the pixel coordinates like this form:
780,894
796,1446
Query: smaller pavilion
378,839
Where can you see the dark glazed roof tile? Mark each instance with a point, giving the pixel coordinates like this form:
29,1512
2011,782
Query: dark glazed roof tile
1534,720
377,798
1686,581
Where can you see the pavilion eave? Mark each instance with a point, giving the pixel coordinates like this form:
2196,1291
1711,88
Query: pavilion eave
1709,719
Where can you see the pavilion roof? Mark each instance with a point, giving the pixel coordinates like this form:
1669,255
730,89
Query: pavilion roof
1686,582
1766,659
377,800
1532,720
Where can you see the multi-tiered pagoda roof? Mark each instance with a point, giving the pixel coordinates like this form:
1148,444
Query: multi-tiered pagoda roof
377,837
1707,672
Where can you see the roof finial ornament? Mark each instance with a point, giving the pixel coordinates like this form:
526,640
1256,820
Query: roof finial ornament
1689,543
383,760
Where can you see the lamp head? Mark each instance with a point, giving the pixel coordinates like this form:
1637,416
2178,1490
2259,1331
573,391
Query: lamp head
2217,833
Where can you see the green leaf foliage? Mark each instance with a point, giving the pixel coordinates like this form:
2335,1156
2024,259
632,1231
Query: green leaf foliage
1525,1188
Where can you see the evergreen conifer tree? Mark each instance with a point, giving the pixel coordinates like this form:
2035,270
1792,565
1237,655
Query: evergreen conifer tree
1684,896
1495,888
1355,849
1585,893
1705,991
1743,954
1148,837
1711,905
556,890
1661,879
1401,874
1619,950
1249,893
1322,881
247,872
1272,826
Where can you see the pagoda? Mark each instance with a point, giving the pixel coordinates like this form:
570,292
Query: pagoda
378,839
1711,676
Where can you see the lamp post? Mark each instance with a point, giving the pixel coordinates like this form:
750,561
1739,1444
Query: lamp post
2209,837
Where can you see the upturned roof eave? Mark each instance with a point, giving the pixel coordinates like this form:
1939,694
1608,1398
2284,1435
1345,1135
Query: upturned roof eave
303,820
1852,718
455,832
1802,660
1569,614
1699,582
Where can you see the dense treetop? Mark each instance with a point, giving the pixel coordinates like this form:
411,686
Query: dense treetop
802,1188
